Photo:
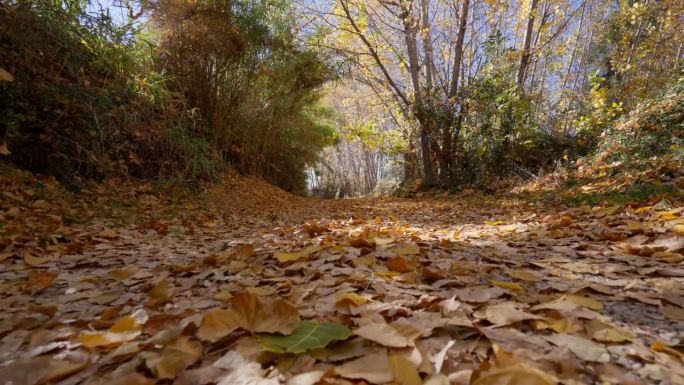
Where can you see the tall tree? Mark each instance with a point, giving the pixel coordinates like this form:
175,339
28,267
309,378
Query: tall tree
525,57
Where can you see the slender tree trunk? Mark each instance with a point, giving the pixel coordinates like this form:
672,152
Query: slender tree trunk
447,123
414,69
427,45
525,57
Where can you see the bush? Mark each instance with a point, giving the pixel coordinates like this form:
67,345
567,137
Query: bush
654,128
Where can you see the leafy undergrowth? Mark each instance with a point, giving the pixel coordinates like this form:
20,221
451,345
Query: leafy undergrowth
126,283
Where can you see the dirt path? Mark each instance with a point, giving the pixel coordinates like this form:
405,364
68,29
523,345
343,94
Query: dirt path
472,290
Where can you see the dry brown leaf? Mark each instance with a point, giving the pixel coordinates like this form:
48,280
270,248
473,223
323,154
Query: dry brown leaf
174,357
374,368
584,301
216,324
32,260
516,374
402,264
38,370
264,315
123,274
524,275
583,348
506,313
40,280
383,334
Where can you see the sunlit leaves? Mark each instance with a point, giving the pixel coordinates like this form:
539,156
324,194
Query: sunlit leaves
125,329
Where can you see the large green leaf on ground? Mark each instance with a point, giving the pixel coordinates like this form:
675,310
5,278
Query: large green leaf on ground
309,335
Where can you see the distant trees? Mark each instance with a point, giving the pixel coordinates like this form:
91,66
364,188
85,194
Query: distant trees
488,88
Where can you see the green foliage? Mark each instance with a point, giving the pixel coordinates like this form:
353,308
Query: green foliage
633,194
499,133
175,96
262,113
654,128
307,336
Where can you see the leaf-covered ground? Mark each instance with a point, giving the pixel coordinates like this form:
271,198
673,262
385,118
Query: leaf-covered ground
122,284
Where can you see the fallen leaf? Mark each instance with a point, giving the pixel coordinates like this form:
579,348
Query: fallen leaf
38,370
6,76
32,260
506,313
524,275
401,264
243,371
374,368
507,285
584,301
307,336
600,331
216,324
406,250
404,371
351,299
516,374
174,358
40,280
383,334
123,274
583,348
288,257
262,315
125,329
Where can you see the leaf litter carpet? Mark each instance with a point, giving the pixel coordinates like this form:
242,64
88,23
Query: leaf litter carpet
120,285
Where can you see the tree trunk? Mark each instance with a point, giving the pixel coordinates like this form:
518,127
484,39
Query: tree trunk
414,69
448,122
525,58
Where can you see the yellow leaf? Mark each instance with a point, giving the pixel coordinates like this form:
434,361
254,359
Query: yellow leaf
125,329
667,215
678,229
287,257
584,301
404,371
406,250
494,223
349,299
507,285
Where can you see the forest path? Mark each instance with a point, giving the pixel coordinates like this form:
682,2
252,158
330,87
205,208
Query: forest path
404,289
